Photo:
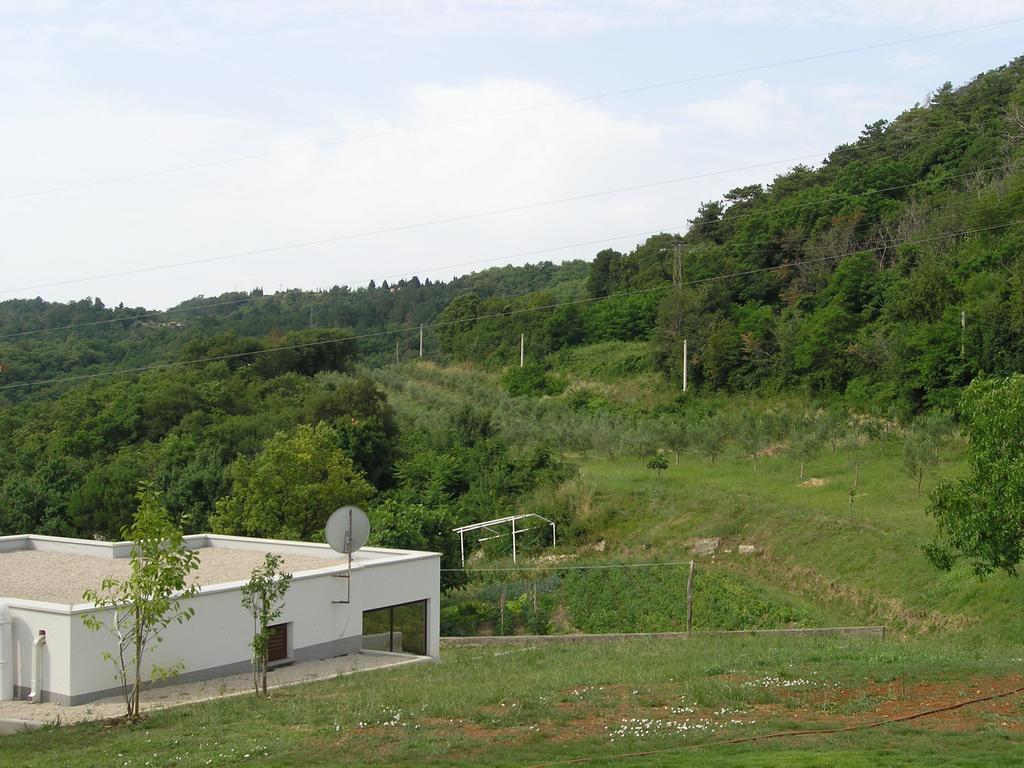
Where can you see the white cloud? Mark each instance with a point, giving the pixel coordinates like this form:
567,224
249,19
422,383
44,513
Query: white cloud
850,102
405,178
909,62
171,22
753,108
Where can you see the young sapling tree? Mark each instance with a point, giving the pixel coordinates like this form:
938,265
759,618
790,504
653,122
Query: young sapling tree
920,454
263,598
659,464
150,599
751,435
711,435
806,442
834,424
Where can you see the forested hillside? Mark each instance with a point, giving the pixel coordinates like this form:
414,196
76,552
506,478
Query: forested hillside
848,279
44,340
846,283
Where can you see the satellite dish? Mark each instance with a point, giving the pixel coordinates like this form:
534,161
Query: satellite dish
347,530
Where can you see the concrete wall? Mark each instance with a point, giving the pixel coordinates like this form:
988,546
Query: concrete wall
27,618
105,549
216,640
404,582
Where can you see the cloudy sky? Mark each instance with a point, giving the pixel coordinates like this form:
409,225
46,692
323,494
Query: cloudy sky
306,144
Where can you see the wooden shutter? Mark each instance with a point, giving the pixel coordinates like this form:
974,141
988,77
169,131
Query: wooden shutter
277,643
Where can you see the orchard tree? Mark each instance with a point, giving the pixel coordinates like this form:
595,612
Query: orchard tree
659,464
834,424
150,599
751,435
806,441
290,488
981,517
676,435
711,435
920,454
263,598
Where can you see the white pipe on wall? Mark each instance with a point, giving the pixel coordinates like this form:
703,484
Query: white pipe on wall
37,667
6,654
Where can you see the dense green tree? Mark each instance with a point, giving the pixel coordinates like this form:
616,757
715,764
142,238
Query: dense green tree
981,517
290,488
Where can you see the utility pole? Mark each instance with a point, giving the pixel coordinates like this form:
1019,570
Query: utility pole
963,328
311,314
677,265
677,261
522,349
421,339
689,598
685,364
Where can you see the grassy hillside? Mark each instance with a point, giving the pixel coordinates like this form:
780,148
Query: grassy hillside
817,559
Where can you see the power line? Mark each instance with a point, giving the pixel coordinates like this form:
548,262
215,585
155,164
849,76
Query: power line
505,313
504,113
406,227
536,252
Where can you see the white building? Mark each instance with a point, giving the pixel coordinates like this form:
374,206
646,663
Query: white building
392,595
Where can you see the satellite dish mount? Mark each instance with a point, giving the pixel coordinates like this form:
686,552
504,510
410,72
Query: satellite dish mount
347,530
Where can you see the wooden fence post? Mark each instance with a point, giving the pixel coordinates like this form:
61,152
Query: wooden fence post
689,598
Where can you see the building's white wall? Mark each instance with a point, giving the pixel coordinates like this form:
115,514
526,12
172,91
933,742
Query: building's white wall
403,581
219,633
26,621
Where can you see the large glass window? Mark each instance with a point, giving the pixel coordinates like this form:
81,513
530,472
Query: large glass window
397,628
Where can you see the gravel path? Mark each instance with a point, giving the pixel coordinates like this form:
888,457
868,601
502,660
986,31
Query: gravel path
60,577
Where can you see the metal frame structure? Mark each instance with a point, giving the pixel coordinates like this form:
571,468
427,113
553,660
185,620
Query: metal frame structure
346,549
489,527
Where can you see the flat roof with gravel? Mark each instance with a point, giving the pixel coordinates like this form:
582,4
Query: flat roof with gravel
62,577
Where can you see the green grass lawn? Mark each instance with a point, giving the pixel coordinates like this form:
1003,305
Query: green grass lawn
523,706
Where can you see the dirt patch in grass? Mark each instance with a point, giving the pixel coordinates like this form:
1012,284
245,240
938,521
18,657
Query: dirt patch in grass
813,482
772,450
851,706
610,713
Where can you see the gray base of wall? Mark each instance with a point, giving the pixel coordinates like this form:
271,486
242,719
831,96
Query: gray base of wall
340,647
22,692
